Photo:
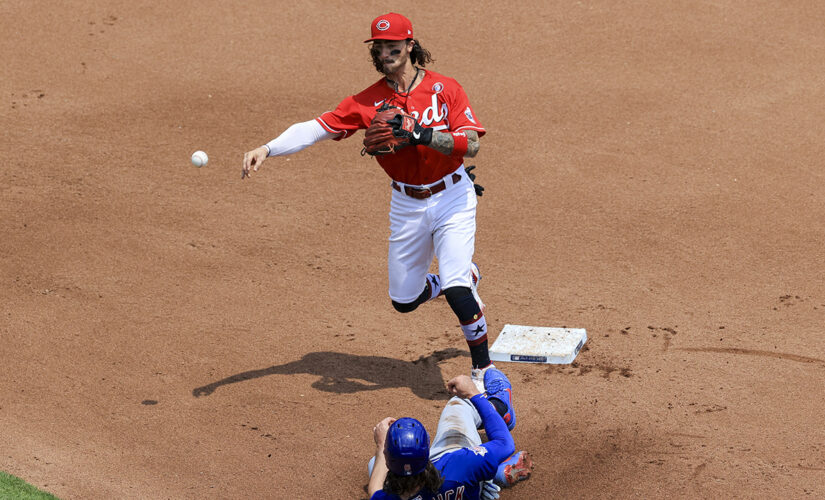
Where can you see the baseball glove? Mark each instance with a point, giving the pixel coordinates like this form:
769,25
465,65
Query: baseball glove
379,138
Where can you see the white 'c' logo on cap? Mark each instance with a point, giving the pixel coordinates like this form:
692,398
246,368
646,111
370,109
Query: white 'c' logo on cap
383,25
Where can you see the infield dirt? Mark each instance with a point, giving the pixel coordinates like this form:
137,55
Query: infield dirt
653,173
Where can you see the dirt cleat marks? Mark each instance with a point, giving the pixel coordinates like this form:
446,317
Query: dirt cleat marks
257,430
711,409
788,301
579,369
26,98
667,334
754,352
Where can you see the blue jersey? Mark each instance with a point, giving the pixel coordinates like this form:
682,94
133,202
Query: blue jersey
464,469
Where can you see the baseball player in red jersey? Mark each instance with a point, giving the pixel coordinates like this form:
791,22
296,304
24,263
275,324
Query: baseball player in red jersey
433,207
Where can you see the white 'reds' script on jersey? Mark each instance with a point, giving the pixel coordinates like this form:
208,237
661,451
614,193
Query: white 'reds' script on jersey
431,114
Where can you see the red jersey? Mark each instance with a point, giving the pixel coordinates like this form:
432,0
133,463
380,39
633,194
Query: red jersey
438,102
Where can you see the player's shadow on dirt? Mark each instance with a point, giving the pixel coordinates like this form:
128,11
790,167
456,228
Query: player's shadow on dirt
348,373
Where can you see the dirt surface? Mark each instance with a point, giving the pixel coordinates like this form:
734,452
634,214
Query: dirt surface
653,173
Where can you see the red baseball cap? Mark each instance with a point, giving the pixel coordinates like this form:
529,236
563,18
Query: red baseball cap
391,26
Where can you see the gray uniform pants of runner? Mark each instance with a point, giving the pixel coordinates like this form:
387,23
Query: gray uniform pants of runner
457,429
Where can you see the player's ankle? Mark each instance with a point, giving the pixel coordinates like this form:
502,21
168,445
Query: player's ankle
499,405
480,355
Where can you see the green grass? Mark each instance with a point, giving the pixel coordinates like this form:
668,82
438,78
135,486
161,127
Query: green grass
15,488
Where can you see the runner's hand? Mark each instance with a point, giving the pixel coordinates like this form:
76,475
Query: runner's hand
462,386
379,432
489,490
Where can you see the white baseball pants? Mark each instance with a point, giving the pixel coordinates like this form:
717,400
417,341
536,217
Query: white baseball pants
441,226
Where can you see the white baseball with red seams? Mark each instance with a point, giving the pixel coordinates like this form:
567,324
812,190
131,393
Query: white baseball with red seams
199,158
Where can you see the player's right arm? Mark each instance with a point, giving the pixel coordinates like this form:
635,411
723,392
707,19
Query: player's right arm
379,468
294,139
345,120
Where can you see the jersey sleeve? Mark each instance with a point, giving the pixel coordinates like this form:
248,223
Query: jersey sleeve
462,117
500,444
344,121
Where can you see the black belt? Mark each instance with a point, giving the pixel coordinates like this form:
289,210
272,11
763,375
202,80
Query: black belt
424,193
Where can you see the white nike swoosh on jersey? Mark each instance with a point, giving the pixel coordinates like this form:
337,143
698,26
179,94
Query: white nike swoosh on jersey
378,103
417,135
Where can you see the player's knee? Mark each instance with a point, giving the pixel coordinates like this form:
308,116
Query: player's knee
457,294
405,308
462,302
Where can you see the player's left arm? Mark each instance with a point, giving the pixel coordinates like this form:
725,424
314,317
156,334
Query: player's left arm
462,140
444,142
500,445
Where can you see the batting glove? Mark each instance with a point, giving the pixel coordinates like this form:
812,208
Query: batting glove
411,130
479,188
489,490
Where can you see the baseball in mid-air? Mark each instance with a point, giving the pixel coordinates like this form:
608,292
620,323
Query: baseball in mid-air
199,158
